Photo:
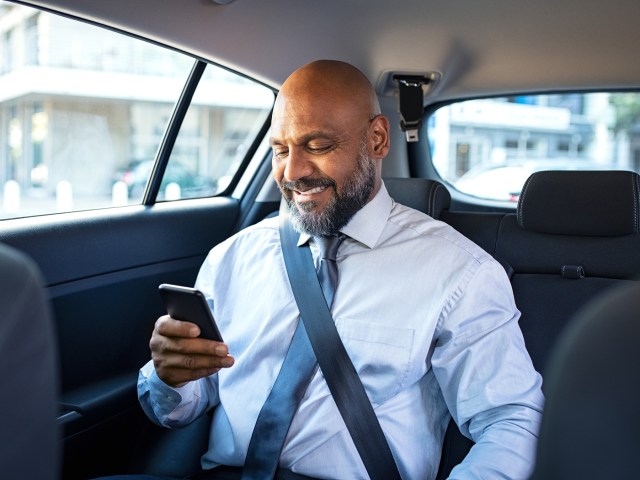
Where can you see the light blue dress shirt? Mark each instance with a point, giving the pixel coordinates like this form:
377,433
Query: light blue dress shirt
429,321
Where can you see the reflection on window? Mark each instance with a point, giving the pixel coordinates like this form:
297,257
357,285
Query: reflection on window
488,148
83,111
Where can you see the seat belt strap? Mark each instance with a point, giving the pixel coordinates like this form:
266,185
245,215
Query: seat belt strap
340,374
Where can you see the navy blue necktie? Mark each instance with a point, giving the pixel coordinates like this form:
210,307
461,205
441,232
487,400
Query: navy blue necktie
297,369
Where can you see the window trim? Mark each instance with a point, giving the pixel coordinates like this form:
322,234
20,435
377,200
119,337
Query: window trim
171,133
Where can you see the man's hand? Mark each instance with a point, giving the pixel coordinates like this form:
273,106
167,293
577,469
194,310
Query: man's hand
180,357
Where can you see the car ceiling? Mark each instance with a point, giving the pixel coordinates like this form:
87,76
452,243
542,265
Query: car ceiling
479,47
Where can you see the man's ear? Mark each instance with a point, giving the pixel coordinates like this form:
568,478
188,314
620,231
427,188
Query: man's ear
379,137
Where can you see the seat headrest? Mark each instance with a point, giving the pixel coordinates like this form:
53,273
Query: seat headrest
591,203
428,196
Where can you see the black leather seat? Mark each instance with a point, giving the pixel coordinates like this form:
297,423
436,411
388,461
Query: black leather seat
591,420
574,236
29,371
428,196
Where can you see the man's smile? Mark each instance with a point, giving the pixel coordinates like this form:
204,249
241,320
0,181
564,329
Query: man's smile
305,195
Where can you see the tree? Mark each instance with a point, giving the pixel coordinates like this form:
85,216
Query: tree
627,111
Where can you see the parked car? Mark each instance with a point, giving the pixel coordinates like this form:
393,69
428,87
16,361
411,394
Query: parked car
86,86
495,182
504,182
190,185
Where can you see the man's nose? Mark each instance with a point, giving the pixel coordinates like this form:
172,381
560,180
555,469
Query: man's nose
298,166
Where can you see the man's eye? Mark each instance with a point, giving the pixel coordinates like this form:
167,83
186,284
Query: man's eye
280,153
319,148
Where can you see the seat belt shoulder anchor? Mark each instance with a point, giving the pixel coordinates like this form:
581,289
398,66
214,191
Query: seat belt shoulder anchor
411,103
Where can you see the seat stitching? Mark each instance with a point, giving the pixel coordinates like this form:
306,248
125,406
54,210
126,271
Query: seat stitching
636,194
438,186
522,195
497,236
430,198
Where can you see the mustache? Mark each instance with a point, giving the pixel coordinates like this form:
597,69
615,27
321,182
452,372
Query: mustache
307,183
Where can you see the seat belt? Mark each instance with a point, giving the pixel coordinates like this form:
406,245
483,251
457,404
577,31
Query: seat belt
340,374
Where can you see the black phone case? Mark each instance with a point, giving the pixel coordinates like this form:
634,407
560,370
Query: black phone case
188,304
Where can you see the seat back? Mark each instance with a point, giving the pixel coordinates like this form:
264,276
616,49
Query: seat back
428,196
29,436
591,418
575,235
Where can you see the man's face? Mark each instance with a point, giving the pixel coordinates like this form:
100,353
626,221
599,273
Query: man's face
321,164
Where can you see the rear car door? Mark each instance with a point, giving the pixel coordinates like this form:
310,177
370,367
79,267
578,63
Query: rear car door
122,164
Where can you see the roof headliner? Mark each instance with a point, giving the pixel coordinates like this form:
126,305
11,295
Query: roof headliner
480,47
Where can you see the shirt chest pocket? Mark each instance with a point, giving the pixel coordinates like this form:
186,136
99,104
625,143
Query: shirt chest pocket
380,355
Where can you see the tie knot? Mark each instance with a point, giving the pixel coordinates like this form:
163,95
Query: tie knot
329,246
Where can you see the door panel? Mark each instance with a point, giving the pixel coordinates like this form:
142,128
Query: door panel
102,270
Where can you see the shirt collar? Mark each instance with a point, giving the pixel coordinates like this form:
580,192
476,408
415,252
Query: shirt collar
367,224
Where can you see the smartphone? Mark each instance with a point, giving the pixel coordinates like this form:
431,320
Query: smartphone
189,305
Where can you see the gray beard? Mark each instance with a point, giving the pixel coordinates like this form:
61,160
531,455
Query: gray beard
342,206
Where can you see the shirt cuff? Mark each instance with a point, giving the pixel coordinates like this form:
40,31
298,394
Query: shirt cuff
158,399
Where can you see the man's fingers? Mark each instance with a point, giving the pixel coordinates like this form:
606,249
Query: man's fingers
177,369
187,346
192,361
170,327
181,337
198,362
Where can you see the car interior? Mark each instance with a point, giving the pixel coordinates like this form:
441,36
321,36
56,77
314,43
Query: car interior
449,76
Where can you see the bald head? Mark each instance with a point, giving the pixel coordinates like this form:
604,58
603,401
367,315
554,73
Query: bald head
330,84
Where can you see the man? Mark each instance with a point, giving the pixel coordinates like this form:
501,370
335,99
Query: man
427,317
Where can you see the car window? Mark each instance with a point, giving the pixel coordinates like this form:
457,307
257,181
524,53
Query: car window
224,118
83,111
488,148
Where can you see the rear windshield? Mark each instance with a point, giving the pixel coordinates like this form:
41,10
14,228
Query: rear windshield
487,148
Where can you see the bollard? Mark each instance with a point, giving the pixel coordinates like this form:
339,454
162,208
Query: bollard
172,192
119,194
11,197
64,196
